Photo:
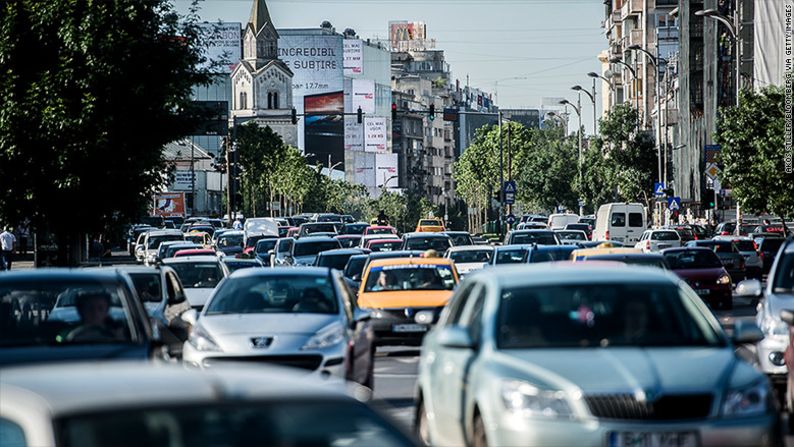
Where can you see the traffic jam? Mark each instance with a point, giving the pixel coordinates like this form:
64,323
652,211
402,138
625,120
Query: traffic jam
322,330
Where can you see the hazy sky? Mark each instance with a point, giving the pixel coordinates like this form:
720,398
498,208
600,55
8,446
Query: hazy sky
551,43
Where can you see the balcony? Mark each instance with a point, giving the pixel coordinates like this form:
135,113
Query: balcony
631,8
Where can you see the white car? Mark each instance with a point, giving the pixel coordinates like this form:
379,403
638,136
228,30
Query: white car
153,239
657,240
753,260
470,258
559,221
199,276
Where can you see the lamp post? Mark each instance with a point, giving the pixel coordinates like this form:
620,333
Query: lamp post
387,180
578,88
578,110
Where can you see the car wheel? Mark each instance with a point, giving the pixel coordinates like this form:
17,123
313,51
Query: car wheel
369,382
421,427
479,439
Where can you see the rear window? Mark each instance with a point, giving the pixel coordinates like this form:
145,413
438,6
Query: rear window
410,277
429,223
467,256
333,261
542,238
421,243
313,248
721,246
155,241
550,255
692,259
386,245
380,231
745,245
636,220
665,236
771,245
618,219
516,256
318,228
265,246
461,239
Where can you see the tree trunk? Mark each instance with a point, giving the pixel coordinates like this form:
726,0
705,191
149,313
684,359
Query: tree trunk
785,227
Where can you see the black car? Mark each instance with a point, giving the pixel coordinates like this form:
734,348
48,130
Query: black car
768,246
521,237
731,258
54,315
439,242
337,259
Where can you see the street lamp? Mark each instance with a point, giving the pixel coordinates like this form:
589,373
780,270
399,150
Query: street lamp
578,111
595,75
578,88
387,180
619,60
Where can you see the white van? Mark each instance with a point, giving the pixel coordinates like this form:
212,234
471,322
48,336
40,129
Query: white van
559,221
261,225
622,222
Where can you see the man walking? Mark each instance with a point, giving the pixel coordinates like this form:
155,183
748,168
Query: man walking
7,241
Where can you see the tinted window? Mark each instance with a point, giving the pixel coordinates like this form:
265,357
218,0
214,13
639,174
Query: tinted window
410,277
318,228
233,266
743,245
430,223
463,257
264,246
155,241
665,236
380,231
461,239
572,236
694,259
275,294
427,243
349,242
148,286
227,241
784,275
635,220
600,315
386,245
515,256
283,423
355,228
333,261
770,245
51,313
355,267
284,245
550,255
313,248
618,219
330,218
542,238
198,275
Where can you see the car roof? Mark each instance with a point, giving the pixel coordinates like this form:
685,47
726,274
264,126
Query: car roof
60,274
86,387
281,271
421,234
410,261
188,259
566,273
342,251
310,238
164,232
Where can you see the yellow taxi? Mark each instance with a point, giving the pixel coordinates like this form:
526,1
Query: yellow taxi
395,290
199,237
583,253
430,226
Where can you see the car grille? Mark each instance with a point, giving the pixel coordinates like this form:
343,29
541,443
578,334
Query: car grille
308,362
670,407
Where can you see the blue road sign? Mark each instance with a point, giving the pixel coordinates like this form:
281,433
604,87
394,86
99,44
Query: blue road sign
674,203
658,189
510,187
511,219
510,198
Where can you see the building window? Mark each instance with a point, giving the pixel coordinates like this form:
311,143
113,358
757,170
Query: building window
275,100
269,100
243,100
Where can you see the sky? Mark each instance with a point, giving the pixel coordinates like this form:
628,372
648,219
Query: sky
550,45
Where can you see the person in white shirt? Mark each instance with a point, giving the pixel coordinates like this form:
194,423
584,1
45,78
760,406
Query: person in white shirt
7,242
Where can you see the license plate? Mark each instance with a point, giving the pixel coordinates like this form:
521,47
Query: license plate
702,291
409,328
638,439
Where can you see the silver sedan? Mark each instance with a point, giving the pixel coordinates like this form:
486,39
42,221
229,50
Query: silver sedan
554,355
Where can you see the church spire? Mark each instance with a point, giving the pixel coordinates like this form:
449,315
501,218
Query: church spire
260,16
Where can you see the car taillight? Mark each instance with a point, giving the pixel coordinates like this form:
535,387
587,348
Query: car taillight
648,245
724,233
606,235
696,237
755,246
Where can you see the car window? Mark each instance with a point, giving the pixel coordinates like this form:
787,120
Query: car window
572,235
458,303
514,256
265,245
600,315
386,245
314,247
392,278
333,261
635,220
148,286
232,240
438,244
744,245
11,434
53,313
618,219
463,257
198,275
176,294
665,236
543,238
461,239
155,241
429,223
355,267
550,255
692,259
284,293
287,422
784,275
472,318
284,245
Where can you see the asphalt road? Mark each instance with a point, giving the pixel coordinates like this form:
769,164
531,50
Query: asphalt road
396,370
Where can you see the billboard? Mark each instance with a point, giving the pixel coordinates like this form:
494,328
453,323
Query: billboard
364,95
317,85
353,57
183,180
364,165
223,45
375,134
169,204
386,170
402,34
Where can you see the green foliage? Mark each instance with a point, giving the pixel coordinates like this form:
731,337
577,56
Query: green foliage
545,169
404,211
752,140
261,152
476,173
90,92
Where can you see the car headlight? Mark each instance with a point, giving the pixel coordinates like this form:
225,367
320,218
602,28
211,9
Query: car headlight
202,341
330,335
749,401
527,400
724,279
773,326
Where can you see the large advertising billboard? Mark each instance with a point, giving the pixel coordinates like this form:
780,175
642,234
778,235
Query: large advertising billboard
406,35
223,47
354,57
386,171
317,86
375,135
169,204
364,95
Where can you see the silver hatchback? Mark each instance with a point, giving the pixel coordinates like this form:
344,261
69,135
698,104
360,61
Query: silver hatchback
554,355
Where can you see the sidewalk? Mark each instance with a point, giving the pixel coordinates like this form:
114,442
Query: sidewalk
25,262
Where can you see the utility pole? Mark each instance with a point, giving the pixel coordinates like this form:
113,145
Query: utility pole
501,178
509,167
192,175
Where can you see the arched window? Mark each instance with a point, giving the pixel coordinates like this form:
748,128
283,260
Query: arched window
243,100
269,100
275,100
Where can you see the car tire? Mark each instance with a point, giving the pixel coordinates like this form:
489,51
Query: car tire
421,425
478,438
369,382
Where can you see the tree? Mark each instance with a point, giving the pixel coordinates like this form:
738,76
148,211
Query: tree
752,153
544,168
90,92
261,152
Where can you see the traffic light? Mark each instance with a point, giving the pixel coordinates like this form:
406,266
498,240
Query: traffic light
432,114
711,198
360,115
294,116
394,111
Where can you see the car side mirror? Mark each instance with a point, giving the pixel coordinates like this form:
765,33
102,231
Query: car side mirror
455,337
749,288
360,316
787,316
746,332
190,317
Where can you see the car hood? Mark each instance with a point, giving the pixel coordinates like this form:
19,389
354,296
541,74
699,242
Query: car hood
257,324
198,297
404,299
621,370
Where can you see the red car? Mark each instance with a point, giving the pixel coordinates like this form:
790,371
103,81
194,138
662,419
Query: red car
384,244
703,271
380,229
194,252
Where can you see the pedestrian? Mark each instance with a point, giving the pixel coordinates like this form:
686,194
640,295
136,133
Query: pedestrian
7,242
238,224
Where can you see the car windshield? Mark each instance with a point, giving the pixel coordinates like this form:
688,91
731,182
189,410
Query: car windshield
513,256
265,245
333,261
543,238
394,278
744,245
305,422
282,293
318,228
355,267
692,259
439,244
313,248
148,286
390,245
429,223
231,240
198,275
155,241
467,256
601,315
784,275
551,255
55,313
572,235
664,236
460,239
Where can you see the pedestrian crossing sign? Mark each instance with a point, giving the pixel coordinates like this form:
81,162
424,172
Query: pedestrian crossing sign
658,189
674,203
